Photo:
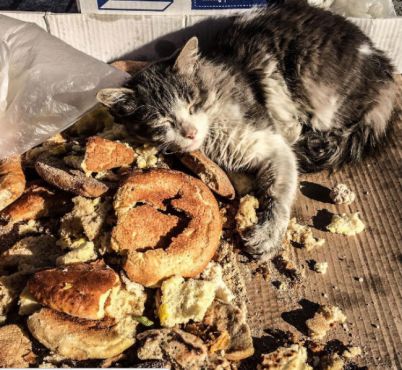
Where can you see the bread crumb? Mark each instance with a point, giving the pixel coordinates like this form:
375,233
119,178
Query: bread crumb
288,268
10,288
15,348
182,301
84,221
30,253
30,227
27,303
213,272
346,224
84,253
247,213
321,267
146,156
292,358
303,235
352,352
341,194
323,320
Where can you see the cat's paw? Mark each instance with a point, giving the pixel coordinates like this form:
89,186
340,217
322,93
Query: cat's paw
264,240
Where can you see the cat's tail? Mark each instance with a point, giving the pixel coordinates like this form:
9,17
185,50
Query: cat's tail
319,150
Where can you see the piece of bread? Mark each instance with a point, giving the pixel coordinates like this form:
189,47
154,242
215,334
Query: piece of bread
323,320
346,224
80,289
285,358
15,348
142,226
102,154
209,172
79,339
12,181
130,66
341,194
246,216
180,349
10,288
56,173
85,221
37,201
224,317
31,253
182,301
199,229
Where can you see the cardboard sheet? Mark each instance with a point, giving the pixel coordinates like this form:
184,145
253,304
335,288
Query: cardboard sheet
111,36
374,306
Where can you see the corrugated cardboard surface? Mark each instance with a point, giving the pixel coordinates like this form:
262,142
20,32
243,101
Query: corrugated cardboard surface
109,37
374,306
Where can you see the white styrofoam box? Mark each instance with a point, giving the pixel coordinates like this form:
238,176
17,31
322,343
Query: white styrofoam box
148,37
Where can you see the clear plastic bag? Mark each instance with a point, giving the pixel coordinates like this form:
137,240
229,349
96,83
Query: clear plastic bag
45,85
364,8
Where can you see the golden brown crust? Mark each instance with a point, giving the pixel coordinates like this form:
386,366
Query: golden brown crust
37,201
80,339
142,227
15,348
130,66
53,171
209,172
102,154
79,289
12,181
190,251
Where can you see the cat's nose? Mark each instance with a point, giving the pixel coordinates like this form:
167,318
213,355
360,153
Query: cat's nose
190,133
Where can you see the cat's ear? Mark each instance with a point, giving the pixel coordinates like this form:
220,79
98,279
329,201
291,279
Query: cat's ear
187,59
121,101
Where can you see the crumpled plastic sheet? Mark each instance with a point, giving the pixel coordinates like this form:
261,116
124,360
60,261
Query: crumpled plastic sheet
45,85
364,8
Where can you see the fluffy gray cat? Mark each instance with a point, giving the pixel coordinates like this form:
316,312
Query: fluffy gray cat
285,87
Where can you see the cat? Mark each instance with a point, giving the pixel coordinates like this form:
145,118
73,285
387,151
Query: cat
289,87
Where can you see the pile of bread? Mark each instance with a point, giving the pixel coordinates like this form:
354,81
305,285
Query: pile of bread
109,253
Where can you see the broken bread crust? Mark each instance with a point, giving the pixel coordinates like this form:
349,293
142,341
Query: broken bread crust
36,202
15,348
12,181
54,171
209,172
189,252
176,347
79,339
224,317
102,154
79,290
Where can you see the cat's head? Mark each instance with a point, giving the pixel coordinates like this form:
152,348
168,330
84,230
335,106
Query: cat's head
165,103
